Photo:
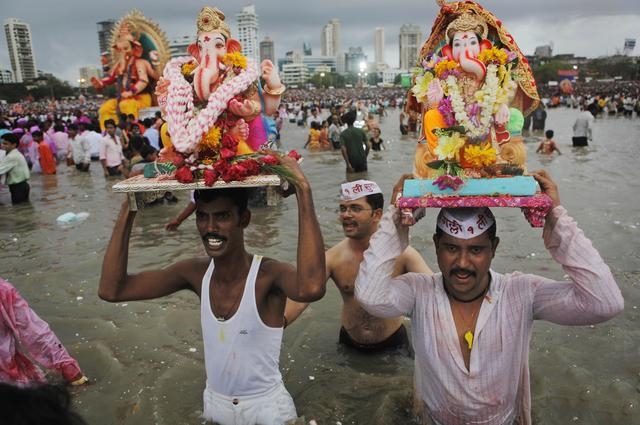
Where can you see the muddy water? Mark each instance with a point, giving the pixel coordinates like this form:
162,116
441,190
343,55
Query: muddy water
146,358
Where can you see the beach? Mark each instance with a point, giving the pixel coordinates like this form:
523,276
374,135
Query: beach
145,358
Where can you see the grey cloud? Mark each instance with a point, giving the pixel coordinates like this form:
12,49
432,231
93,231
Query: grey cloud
65,35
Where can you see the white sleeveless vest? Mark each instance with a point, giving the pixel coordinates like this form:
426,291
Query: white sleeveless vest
242,354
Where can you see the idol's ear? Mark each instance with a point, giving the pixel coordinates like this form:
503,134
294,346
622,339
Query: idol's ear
233,46
485,44
448,52
137,49
194,51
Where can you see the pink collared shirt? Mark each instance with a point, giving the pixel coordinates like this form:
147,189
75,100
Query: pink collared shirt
496,388
111,151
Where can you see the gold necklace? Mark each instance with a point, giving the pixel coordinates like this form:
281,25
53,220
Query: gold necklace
468,335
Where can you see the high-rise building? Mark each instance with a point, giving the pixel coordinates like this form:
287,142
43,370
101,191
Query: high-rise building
330,38
306,49
248,32
295,73
6,76
355,60
267,50
545,51
104,35
378,36
410,41
20,48
86,73
178,46
314,64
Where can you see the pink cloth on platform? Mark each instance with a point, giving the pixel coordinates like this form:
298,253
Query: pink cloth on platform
27,341
535,208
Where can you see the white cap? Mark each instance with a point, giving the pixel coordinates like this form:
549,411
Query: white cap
357,189
465,223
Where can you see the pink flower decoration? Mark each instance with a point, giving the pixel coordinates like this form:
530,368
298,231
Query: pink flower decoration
447,181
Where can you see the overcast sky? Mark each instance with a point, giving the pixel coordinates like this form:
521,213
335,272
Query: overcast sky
64,32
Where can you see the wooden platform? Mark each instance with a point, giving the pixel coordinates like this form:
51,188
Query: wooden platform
535,208
141,189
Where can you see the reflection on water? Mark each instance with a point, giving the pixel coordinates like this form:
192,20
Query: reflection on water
146,357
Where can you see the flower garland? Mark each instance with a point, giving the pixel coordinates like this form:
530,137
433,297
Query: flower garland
488,94
187,127
203,145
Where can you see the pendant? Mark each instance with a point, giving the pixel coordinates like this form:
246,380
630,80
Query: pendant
221,334
468,336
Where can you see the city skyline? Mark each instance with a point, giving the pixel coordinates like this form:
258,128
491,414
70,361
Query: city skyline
584,28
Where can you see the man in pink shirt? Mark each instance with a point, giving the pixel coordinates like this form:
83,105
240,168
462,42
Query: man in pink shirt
471,326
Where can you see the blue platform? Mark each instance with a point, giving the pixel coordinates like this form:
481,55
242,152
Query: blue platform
513,186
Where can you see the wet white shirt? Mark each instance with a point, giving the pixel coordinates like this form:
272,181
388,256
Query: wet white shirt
496,389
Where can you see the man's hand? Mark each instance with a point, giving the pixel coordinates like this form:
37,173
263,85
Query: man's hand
397,189
173,225
547,185
296,179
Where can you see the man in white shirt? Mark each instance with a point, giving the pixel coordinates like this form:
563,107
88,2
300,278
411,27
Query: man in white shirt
151,133
93,137
582,127
79,148
111,155
471,326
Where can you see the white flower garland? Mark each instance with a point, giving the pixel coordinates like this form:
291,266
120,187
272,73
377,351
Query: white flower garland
185,127
487,105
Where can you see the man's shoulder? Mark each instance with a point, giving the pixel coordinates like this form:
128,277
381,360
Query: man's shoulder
192,268
268,264
342,254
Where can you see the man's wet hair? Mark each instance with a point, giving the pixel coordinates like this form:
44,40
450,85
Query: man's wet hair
375,200
349,118
11,138
238,195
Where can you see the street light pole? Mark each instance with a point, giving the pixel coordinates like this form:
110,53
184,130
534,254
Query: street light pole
81,82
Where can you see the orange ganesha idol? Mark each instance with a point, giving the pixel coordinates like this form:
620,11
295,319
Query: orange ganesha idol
470,76
139,51
472,87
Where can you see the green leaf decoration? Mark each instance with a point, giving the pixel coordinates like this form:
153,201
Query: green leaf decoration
435,164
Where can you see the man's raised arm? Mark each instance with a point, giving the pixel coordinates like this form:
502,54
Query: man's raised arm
309,281
117,285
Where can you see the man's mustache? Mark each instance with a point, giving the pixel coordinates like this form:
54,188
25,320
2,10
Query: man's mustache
461,271
213,235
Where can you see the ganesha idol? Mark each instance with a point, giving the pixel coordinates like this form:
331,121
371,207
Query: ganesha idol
138,53
472,80
213,100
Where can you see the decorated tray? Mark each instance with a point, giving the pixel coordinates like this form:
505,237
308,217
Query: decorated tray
535,207
141,188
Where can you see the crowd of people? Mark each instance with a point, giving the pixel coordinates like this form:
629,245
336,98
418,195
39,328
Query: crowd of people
460,314
40,144
601,98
